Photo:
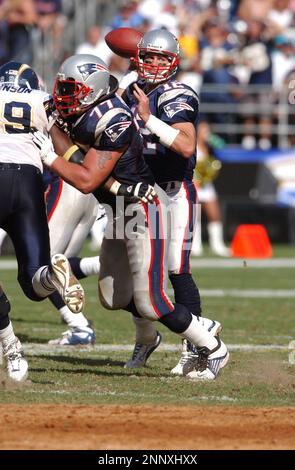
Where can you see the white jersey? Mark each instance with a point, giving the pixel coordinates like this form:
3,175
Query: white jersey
22,110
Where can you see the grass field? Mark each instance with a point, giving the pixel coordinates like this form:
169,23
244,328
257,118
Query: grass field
258,329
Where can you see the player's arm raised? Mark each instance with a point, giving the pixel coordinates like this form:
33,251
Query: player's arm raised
180,137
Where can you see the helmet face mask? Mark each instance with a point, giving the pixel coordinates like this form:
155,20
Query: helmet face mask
156,73
68,96
82,80
158,42
19,75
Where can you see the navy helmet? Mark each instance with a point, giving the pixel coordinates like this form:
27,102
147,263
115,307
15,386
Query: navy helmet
18,74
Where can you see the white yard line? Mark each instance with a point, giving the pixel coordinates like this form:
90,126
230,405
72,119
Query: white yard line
247,293
35,349
201,263
8,264
239,293
241,263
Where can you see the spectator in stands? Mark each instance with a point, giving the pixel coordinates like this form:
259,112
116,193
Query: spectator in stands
167,19
283,60
249,9
150,9
255,55
188,43
190,73
19,17
288,111
95,45
3,41
216,61
49,12
128,16
51,21
281,15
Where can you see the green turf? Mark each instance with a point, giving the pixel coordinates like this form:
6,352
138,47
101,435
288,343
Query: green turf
262,378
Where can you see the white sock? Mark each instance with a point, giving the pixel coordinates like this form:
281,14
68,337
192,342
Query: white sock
215,233
7,335
77,320
198,335
41,281
197,247
146,332
90,265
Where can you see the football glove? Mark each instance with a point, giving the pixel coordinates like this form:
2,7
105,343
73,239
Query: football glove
138,192
45,146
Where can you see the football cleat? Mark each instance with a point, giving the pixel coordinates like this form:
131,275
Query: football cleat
66,283
188,359
75,336
189,354
142,352
210,362
17,366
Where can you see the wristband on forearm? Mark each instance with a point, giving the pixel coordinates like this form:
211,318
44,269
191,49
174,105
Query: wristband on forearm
126,190
74,154
166,133
114,188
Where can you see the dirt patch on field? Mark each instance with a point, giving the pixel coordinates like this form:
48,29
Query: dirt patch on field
145,427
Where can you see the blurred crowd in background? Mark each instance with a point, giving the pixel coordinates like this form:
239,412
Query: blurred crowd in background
239,55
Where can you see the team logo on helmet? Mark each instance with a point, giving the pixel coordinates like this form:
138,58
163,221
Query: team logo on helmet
88,69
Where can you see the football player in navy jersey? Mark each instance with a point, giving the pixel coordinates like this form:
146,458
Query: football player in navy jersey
24,107
133,274
166,111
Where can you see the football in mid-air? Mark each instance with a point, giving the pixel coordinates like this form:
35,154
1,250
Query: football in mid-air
123,41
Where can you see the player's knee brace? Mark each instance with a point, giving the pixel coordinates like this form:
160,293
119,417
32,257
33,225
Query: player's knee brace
4,311
186,292
177,321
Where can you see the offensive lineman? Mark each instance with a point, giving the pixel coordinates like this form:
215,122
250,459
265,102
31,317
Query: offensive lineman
133,271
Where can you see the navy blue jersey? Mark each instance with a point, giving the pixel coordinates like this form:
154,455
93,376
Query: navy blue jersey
172,102
110,126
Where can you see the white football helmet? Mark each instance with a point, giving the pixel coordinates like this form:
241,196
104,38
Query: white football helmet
158,41
81,81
